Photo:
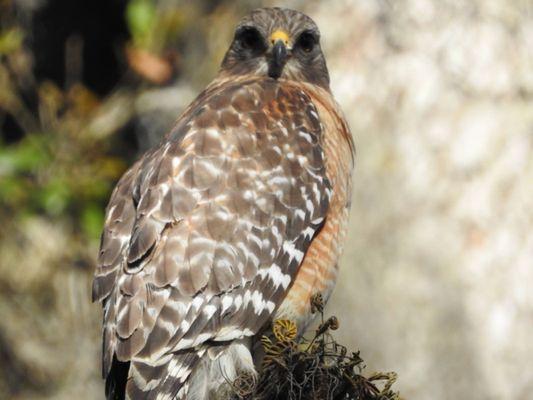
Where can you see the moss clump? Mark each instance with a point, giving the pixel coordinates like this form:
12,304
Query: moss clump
319,368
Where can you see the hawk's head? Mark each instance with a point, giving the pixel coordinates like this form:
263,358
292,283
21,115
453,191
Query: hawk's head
277,42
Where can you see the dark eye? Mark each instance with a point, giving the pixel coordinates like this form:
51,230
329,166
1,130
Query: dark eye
250,40
307,41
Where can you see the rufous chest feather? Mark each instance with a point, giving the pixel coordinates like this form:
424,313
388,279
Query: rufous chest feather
318,271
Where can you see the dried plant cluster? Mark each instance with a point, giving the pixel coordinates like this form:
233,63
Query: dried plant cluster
294,367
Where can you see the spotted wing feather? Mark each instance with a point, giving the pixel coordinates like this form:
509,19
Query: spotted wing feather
205,233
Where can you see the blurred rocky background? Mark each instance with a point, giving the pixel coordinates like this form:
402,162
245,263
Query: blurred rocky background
437,277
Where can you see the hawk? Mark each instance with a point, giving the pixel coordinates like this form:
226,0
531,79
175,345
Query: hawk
234,220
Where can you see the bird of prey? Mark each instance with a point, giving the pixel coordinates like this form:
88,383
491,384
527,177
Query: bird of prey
234,220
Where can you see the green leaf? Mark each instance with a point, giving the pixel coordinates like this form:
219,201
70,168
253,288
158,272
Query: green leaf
26,156
141,19
54,197
92,221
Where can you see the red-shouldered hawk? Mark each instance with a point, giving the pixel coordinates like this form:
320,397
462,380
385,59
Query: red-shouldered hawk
236,218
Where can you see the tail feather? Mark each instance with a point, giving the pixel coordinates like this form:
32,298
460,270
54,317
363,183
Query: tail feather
194,374
163,381
115,383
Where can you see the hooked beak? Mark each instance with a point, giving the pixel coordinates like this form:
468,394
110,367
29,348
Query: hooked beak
279,54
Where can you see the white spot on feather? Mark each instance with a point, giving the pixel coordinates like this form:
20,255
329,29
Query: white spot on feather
238,301
293,251
277,277
197,302
185,325
257,301
209,310
227,301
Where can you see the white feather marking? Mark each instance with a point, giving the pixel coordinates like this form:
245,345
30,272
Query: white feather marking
299,213
278,180
238,301
317,221
175,162
110,212
306,136
185,325
164,188
293,251
209,310
308,232
167,325
177,369
184,344
277,277
227,301
255,239
177,306
197,302
228,333
246,297
253,258
270,306
248,194
202,338
257,301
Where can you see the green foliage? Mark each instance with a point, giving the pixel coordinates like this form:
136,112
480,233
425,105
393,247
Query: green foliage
152,28
68,159
141,17
28,155
61,171
92,219
10,40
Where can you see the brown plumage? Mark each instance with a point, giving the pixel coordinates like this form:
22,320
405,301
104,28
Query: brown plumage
236,218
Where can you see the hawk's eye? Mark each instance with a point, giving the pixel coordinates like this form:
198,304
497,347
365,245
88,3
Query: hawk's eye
250,40
307,41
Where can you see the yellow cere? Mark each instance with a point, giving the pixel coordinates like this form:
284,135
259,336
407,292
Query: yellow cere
279,35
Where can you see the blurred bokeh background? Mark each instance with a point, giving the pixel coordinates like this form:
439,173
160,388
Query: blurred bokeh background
437,277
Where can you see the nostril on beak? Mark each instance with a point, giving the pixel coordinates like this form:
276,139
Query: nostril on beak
279,35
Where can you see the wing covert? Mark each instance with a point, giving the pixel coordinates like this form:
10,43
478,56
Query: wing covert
205,233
